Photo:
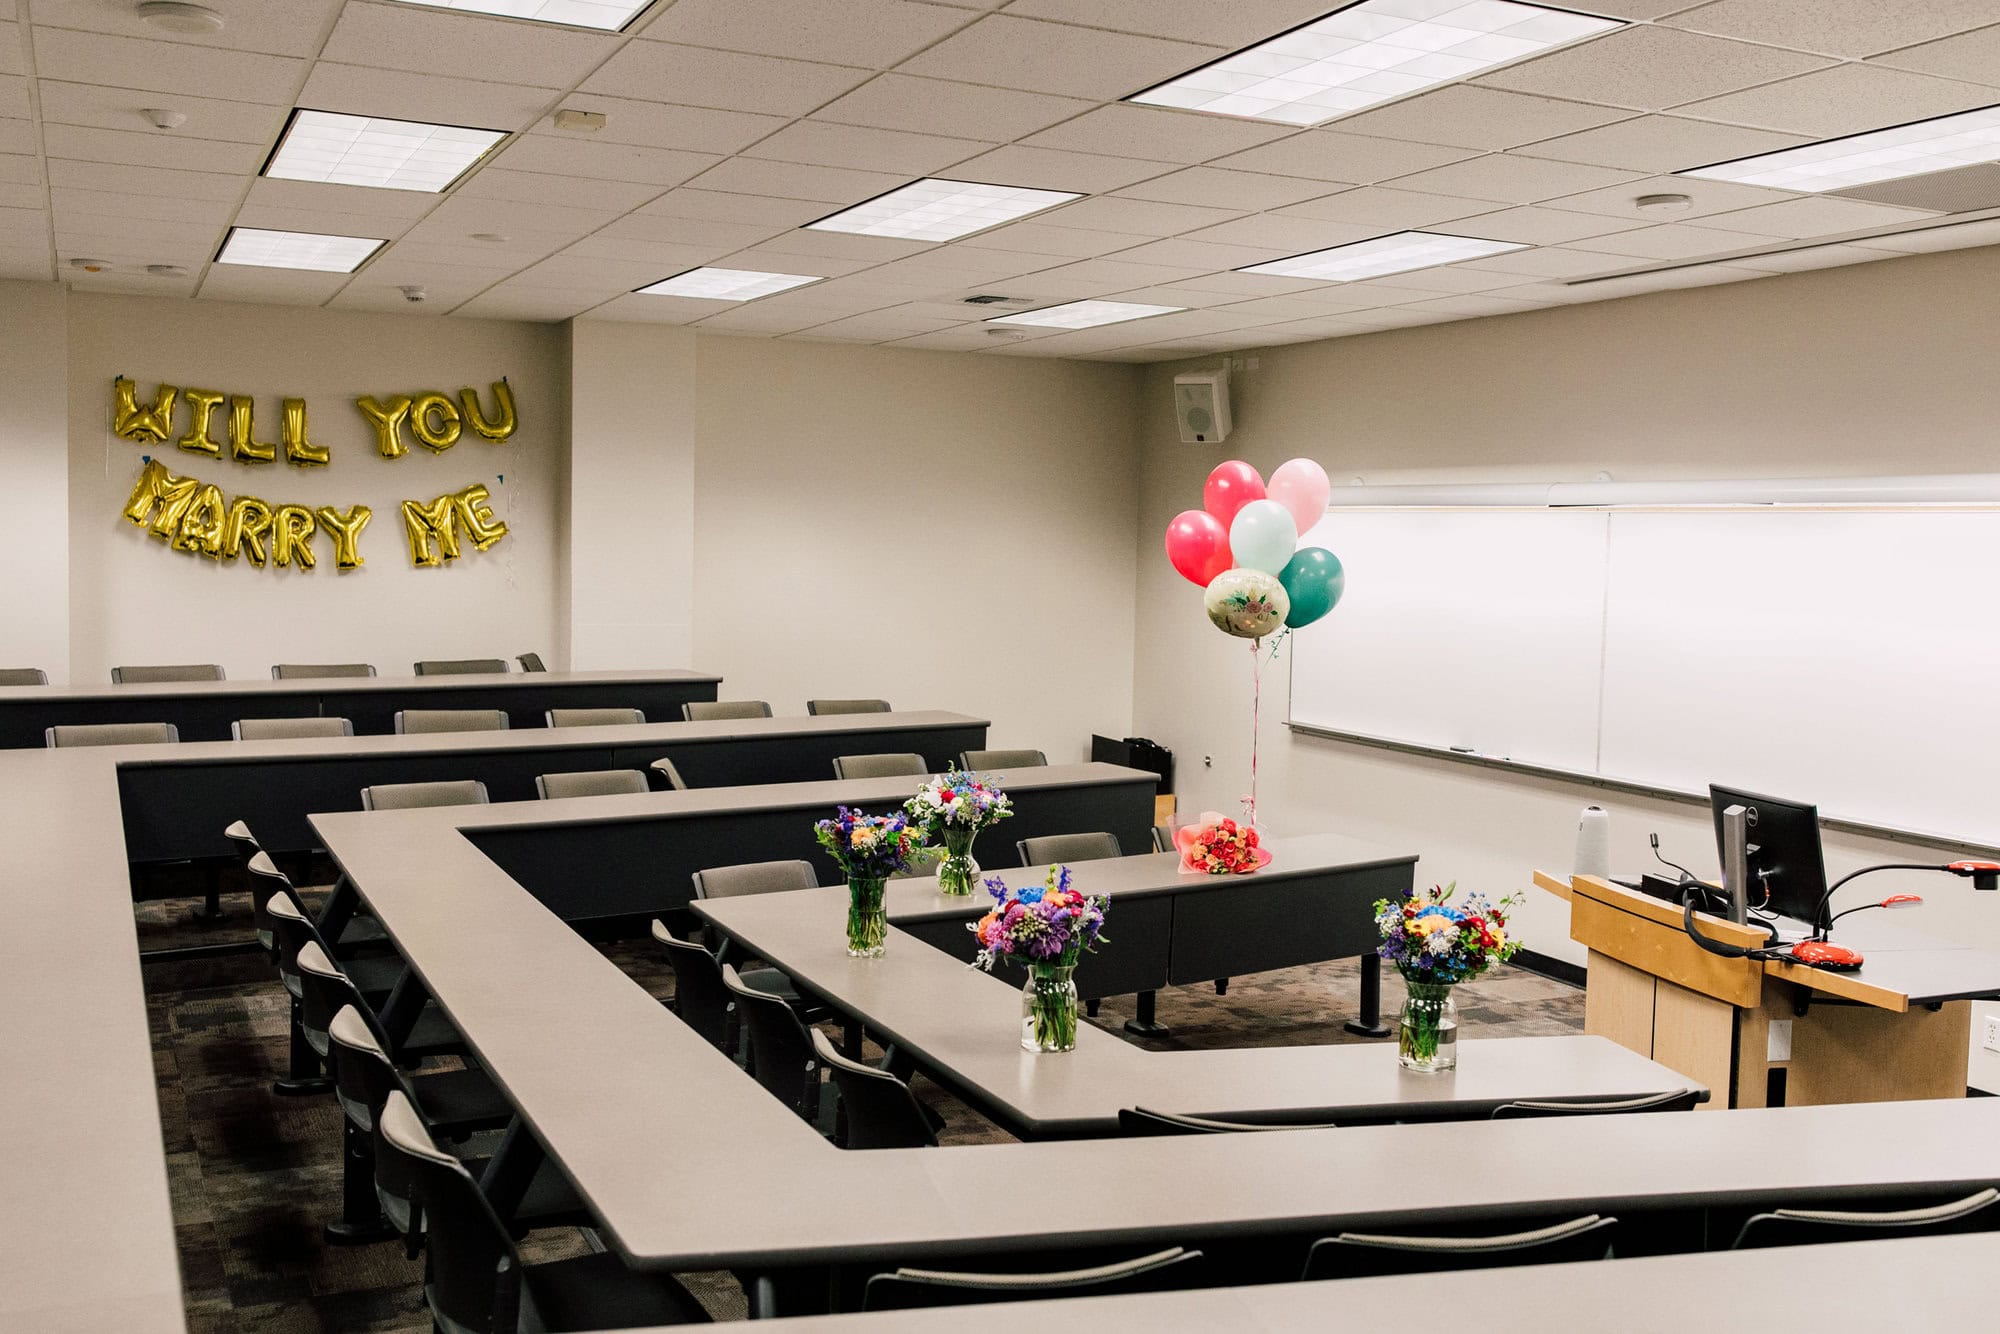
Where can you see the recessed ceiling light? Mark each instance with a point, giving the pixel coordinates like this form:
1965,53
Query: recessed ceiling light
1879,155
174,16
605,15
939,210
727,284
1370,53
1384,254
1084,314
375,151
296,250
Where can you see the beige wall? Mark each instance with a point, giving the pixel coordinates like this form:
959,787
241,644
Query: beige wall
1877,368
34,537
934,529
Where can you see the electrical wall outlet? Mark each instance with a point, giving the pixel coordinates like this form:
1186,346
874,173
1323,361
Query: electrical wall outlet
1992,1042
1778,1041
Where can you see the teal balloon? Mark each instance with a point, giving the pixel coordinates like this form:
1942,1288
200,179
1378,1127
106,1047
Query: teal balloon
1314,581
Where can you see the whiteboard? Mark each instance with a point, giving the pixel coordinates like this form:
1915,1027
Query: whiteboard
1845,656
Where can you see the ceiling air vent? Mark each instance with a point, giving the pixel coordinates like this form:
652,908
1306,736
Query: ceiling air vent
989,299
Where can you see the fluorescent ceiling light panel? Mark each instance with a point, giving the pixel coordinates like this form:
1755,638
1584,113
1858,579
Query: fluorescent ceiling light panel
296,250
370,150
940,210
727,284
1400,253
1085,314
1880,155
1371,53
605,15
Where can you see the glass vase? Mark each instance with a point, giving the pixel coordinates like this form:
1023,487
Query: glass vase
867,919
1427,1029
958,873
1049,1008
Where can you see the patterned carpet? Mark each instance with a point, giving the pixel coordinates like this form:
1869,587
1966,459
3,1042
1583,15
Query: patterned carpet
254,1175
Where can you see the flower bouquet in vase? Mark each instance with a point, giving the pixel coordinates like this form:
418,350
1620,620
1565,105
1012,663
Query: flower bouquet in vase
1046,928
1217,845
951,810
1436,944
869,849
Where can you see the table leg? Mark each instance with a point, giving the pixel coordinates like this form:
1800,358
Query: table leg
1143,1024
1368,1023
398,1016
512,1169
338,912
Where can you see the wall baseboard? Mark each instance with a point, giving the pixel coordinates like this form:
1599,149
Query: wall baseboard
1543,965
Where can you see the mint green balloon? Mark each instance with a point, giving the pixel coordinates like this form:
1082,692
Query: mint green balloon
1314,581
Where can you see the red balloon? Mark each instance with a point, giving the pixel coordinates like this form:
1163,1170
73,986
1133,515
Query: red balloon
1198,545
1230,487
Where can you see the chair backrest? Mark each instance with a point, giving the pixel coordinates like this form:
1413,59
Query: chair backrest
1801,1227
474,1275
664,767
1052,848
412,796
700,998
824,706
712,710
781,1050
730,882
595,783
293,931
363,1077
594,717
313,671
323,990
1163,838
286,729
980,760
531,662
1355,1254
1143,1121
414,721
185,671
460,666
266,883
240,837
1685,1100
878,1109
888,765
23,676
111,734
905,1289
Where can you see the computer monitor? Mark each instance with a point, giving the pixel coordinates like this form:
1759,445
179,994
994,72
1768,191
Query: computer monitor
1785,857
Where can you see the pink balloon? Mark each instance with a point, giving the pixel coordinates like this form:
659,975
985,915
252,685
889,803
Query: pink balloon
1230,487
1198,545
1301,487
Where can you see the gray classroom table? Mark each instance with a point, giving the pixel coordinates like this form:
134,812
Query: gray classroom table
203,710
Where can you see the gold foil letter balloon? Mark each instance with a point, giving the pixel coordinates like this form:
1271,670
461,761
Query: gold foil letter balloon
291,535
1246,603
201,527
201,411
387,419
148,426
434,421
475,511
243,444
299,451
160,497
346,530
243,530
432,530
502,424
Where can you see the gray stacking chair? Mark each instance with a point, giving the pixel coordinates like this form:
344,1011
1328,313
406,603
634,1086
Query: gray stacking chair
413,721
880,766
594,717
531,662
288,729
664,767
716,710
460,666
1801,1227
1683,1101
977,761
877,1110
904,1289
1357,1255
191,671
819,707
1163,838
111,734
594,783
414,796
700,999
23,676
318,671
781,1055
1053,848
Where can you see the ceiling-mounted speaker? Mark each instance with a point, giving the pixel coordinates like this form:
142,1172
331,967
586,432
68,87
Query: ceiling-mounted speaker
1201,407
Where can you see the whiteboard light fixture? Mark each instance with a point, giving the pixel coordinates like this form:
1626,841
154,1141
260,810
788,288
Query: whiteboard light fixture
1371,53
296,250
603,15
707,284
1085,314
935,209
374,151
1400,253
1940,144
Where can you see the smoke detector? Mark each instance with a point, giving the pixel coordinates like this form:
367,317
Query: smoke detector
89,265
1663,203
162,119
414,294
175,16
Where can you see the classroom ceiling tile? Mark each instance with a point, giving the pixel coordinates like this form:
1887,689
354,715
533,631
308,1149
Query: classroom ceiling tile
1292,235
866,147
340,198
109,108
244,282
1672,241
659,229
725,80
508,215
164,67
787,180
874,34
1838,27
167,208
1456,279
1387,208
1214,187
1536,226
151,148
573,272
1662,144
1350,159
271,217
414,37
765,260
121,179
15,195
203,236
1138,217
966,110
546,306
1096,277
1973,57
843,245
1704,197
1820,216
1040,238
663,125
531,187
362,90
608,162
1650,68
1057,58
1238,23
1471,306
722,206
1846,99
1050,169
1513,178
1467,116
14,95
19,137
1150,132
275,27
1544,262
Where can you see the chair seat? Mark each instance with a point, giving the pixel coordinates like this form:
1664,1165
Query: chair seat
598,1292
457,1101
772,982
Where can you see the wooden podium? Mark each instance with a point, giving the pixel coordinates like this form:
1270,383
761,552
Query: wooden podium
1899,1028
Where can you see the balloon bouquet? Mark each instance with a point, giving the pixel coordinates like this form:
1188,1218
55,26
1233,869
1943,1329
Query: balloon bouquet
1242,549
